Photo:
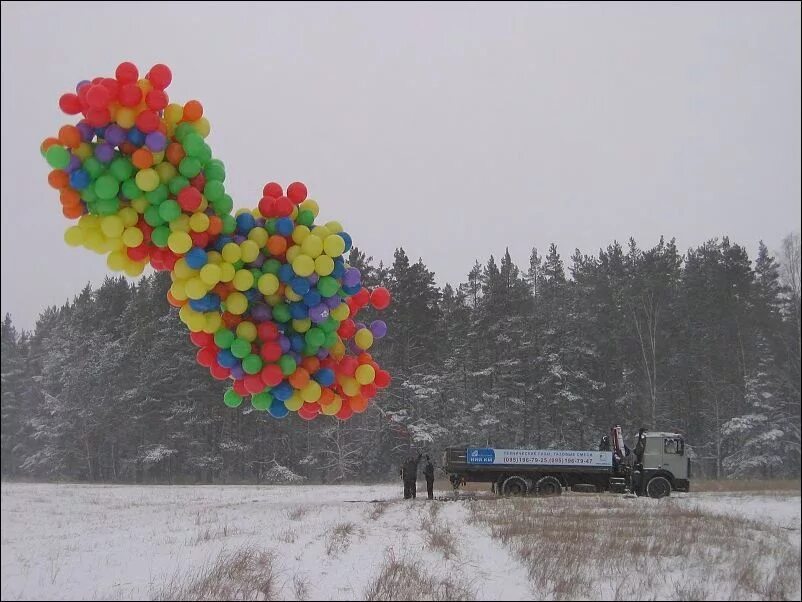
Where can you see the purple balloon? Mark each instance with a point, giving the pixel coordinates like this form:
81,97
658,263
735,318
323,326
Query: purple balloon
351,277
261,313
258,262
313,278
333,301
115,135
284,343
156,141
361,325
378,328
237,372
81,84
296,356
261,222
318,313
323,353
87,131
239,239
75,163
104,152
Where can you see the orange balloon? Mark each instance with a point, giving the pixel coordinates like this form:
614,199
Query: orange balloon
128,147
299,379
326,396
173,301
358,404
69,136
47,143
311,364
142,158
69,197
58,179
73,212
277,245
193,111
230,320
174,153
215,225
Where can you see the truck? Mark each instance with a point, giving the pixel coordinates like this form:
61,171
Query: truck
658,466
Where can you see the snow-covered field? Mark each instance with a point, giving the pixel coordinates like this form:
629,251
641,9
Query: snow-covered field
324,542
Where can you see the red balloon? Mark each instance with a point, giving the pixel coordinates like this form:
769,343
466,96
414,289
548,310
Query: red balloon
160,76
267,206
156,100
348,365
309,411
345,412
147,121
271,375
272,189
271,351
139,253
380,298
189,198
382,379
297,192
239,387
130,95
199,239
70,104
362,297
98,117
254,384
368,390
353,307
127,73
267,331
283,207
347,328
201,339
98,96
219,372
206,355
112,85
198,182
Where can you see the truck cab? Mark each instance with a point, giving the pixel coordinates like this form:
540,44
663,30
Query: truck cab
664,467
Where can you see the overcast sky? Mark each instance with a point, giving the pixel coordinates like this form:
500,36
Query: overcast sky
452,130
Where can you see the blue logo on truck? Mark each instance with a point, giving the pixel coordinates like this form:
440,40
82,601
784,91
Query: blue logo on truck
481,455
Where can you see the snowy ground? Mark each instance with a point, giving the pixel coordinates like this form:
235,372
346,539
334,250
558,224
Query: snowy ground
328,542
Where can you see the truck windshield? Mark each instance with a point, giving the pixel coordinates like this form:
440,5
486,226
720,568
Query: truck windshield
674,446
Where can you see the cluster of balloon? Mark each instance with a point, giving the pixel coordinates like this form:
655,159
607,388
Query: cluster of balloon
266,294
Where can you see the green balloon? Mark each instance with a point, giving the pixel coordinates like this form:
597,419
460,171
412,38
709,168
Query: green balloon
169,210
327,286
315,337
215,170
160,235
261,401
214,191
158,195
88,194
107,187
152,217
205,154
122,169
270,226
224,205
130,189
329,325
309,350
57,157
193,144
271,266
305,218
287,364
240,348
177,184
229,224
223,338
189,167
108,206
239,264
232,399
331,339
281,313
252,363
94,168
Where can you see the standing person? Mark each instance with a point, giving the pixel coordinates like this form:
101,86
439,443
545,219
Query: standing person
640,446
410,476
402,472
428,472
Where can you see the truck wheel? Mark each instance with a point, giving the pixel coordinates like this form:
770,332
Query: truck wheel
658,487
548,486
515,486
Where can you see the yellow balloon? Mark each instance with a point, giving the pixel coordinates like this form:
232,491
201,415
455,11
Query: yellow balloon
129,216
334,227
213,322
338,349
173,113
89,222
259,236
112,226
147,179
178,289
199,222
166,171
184,312
133,237
227,272
311,392
363,339
330,409
126,118
202,126
179,242
246,330
274,300
210,274
74,236
182,269
134,268
303,265
243,280
157,159
312,246
214,257
299,234
140,205
324,265
302,325
292,253
350,386
93,239
195,288
236,303
249,251
294,403
310,205
268,284
196,321
291,294
322,232
116,261
341,312
180,224
232,252
204,204
334,245
365,374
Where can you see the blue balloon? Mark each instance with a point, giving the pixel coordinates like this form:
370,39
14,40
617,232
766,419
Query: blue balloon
285,273
222,242
300,285
284,226
348,242
136,137
339,268
277,409
297,342
196,258
245,223
79,179
226,359
312,298
352,290
324,376
282,391
298,310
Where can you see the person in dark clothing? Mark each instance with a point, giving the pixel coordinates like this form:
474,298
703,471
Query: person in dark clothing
640,446
409,473
604,445
428,472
